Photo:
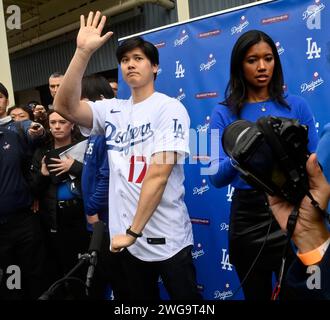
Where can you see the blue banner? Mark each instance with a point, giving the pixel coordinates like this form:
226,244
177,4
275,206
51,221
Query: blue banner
194,68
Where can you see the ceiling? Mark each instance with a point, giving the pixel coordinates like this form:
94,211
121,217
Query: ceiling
44,19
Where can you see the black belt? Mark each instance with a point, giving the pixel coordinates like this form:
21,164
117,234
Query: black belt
67,203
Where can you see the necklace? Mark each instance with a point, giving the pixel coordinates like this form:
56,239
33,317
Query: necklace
263,107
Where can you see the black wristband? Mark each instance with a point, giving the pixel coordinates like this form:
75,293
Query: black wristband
133,234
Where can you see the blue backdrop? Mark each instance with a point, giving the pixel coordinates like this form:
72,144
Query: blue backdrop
194,68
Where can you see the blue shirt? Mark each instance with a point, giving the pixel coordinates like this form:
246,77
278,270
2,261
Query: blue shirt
221,117
95,178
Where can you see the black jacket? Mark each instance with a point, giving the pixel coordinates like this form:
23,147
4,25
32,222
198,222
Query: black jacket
14,190
45,187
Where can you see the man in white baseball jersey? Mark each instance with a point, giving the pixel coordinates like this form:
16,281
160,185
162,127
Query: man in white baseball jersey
147,138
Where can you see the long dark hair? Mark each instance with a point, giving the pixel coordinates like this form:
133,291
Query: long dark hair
236,91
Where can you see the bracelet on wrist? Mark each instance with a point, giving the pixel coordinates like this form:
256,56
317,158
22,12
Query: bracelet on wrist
133,234
314,256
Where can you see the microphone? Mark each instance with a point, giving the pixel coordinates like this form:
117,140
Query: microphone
94,249
97,237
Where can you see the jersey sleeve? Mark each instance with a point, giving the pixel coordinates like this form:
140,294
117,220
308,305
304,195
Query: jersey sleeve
172,129
99,109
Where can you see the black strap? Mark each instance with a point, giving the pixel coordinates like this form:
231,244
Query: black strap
133,234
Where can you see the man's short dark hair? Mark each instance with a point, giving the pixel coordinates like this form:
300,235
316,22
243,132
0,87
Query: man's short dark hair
56,75
3,90
147,48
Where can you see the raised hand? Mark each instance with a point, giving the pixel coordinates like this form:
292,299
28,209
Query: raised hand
89,38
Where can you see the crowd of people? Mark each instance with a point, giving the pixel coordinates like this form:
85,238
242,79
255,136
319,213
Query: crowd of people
68,165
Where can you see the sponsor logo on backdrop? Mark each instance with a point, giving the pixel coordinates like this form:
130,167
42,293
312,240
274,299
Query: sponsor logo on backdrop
203,128
202,189
160,44
201,157
225,264
211,33
224,294
206,95
312,85
200,221
182,39
179,70
312,15
313,51
209,64
230,192
224,226
241,26
159,71
276,19
198,252
181,95
279,48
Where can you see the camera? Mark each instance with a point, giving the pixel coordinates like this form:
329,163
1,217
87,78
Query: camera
270,155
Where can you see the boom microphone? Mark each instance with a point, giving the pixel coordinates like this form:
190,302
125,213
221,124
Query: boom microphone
97,237
94,249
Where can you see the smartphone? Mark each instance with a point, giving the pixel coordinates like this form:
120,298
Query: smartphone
36,126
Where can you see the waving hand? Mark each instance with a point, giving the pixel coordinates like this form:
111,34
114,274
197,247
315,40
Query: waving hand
89,38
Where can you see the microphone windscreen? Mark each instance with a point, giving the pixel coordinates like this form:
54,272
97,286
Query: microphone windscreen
97,237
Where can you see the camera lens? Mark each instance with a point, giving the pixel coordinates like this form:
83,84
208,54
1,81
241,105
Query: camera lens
233,134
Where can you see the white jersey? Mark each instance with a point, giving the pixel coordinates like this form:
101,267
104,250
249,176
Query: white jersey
134,132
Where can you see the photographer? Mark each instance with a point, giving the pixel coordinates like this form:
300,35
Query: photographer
311,236
255,90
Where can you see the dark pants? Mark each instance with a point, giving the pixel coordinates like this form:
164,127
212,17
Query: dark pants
249,223
21,244
138,280
64,246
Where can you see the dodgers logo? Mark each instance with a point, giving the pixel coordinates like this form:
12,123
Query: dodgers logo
223,295
226,265
224,226
177,130
239,28
313,15
203,128
313,51
230,192
209,64
280,49
199,252
179,71
183,38
199,191
311,86
122,140
181,95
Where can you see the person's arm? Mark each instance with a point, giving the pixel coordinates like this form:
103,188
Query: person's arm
221,171
67,101
151,194
98,201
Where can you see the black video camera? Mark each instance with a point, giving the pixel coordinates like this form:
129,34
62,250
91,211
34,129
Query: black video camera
271,155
